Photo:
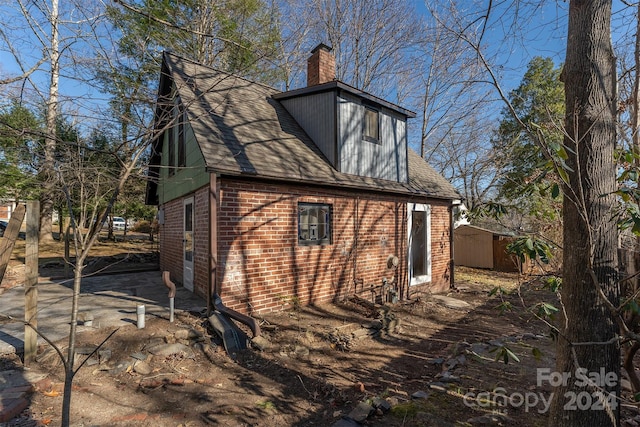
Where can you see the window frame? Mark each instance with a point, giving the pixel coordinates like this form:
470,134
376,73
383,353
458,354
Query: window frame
427,256
171,145
328,223
365,124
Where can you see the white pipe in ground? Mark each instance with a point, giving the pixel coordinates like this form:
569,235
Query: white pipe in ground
140,315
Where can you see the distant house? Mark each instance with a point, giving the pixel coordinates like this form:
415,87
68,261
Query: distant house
6,209
308,195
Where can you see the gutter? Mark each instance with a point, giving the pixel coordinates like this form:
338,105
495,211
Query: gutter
452,263
407,192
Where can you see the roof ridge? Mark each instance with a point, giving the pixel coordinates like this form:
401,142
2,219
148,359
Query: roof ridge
217,70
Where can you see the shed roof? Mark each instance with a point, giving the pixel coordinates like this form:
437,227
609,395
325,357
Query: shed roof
243,130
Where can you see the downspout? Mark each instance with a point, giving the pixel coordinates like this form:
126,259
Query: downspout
213,242
166,279
356,230
452,263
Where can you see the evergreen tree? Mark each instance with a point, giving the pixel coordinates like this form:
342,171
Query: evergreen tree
531,146
237,36
19,134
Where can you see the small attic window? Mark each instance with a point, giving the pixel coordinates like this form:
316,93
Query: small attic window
371,125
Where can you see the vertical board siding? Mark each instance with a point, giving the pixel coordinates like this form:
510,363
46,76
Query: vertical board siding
187,179
316,115
473,247
386,159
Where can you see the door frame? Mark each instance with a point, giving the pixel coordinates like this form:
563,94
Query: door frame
187,243
424,278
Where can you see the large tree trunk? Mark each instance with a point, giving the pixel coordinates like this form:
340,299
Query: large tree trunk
590,237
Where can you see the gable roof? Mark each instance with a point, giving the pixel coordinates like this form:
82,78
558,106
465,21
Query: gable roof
243,131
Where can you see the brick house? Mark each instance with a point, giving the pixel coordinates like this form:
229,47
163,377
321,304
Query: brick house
6,209
268,197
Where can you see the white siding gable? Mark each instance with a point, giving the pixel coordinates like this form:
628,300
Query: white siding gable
386,159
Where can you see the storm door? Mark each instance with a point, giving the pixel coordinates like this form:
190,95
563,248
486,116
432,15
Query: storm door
419,243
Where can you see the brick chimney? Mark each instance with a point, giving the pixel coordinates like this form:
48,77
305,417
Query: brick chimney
321,66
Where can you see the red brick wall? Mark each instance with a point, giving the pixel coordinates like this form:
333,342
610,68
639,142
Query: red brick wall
201,242
5,212
260,265
171,238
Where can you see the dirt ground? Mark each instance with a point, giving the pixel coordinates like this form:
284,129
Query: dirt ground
131,253
420,363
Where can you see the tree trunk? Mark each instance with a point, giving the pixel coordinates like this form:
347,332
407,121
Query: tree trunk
47,171
632,285
587,336
71,350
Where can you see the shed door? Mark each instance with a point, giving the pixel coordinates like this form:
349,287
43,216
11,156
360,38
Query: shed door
419,243
187,277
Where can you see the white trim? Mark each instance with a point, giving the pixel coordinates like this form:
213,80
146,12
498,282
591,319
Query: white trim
425,278
187,267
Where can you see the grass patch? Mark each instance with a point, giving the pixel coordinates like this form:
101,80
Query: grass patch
409,409
486,279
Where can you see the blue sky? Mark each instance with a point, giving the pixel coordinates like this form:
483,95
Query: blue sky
545,35
542,35
540,31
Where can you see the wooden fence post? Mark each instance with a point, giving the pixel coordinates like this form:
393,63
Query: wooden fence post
10,236
31,281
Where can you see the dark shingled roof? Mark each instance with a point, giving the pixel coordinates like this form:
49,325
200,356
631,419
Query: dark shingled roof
242,130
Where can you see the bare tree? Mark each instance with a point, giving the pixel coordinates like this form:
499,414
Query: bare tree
84,241
47,169
38,26
372,39
465,157
455,127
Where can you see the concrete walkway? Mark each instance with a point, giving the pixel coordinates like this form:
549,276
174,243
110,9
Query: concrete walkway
112,300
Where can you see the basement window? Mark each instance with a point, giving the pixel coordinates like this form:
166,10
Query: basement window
371,125
314,224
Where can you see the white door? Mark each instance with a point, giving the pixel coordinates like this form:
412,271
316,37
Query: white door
419,227
187,276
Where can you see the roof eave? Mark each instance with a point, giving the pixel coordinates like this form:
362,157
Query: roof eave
337,85
323,183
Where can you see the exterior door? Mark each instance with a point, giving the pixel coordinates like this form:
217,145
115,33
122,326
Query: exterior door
419,243
187,259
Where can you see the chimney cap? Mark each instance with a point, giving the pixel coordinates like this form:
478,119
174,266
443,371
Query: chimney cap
322,46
